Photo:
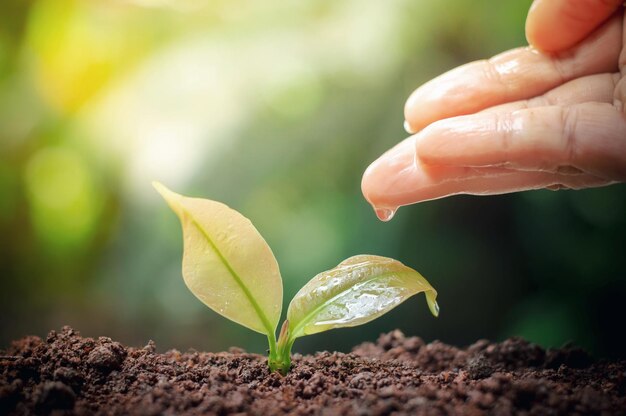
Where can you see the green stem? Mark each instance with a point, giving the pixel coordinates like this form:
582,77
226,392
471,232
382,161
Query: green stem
280,359
271,338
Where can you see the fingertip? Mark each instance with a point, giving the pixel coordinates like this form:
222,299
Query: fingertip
366,184
530,26
556,25
387,181
545,28
407,127
412,112
437,99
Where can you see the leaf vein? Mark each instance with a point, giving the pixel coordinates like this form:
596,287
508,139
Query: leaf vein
315,311
234,274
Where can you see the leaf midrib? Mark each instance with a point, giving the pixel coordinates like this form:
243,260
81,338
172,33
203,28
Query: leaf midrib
232,272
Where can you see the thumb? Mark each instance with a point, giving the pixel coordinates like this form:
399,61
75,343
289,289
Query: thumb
556,25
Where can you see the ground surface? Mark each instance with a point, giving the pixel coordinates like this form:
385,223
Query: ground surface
68,374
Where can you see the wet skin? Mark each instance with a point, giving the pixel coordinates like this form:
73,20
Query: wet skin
550,115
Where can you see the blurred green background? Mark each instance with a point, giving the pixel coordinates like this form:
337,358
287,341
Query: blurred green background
275,108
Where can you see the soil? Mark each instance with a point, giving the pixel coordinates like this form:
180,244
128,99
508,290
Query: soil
68,374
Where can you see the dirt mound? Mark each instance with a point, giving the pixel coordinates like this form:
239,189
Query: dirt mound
68,374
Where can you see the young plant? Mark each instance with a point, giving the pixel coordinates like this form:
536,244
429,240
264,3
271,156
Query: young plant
232,270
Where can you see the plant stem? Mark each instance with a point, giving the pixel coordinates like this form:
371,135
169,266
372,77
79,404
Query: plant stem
280,359
271,338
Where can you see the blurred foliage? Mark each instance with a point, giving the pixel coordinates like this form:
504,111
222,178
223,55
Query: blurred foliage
275,108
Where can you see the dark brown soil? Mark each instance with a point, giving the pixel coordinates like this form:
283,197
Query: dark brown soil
68,374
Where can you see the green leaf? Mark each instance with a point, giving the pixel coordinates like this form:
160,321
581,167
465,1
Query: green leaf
226,262
357,291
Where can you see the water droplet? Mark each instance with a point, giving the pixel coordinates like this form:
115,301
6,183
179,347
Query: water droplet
385,214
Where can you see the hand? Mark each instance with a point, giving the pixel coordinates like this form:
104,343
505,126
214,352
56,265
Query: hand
546,116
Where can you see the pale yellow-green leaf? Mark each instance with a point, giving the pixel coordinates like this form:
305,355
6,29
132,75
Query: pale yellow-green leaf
226,262
357,291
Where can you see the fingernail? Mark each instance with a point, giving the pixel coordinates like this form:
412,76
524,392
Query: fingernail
407,127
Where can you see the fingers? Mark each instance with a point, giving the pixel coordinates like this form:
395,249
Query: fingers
593,88
556,25
514,75
620,89
399,178
622,55
578,146
620,95
588,137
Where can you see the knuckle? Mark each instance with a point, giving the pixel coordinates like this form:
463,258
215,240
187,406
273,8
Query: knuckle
619,97
492,73
504,127
569,124
563,65
541,101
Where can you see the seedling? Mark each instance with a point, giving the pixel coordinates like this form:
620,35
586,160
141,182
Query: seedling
232,270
